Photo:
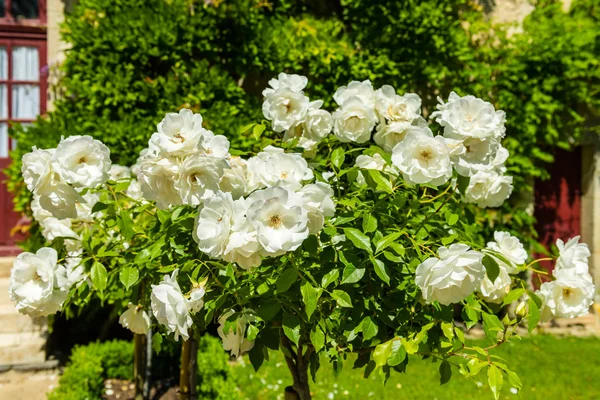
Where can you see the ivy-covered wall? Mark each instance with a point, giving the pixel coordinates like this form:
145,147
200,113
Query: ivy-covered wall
133,60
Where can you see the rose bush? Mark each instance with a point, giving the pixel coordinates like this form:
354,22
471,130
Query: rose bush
347,232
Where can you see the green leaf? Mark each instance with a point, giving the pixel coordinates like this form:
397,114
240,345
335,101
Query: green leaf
380,270
491,326
317,338
463,183
352,274
445,372
329,278
252,332
491,267
286,280
247,127
383,183
359,239
369,328
157,342
534,313
369,223
448,330
514,380
291,327
338,157
386,241
451,218
398,353
125,224
99,207
128,276
513,295
258,130
495,380
257,356
99,276
342,298
381,353
310,296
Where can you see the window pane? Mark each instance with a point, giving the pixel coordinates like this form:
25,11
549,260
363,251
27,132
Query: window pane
25,101
26,64
25,9
3,101
3,62
2,9
3,140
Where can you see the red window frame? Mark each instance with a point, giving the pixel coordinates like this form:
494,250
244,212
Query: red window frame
8,18
9,44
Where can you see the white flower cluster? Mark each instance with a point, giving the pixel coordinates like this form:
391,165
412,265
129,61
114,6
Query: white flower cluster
291,111
55,176
38,284
470,141
571,294
172,308
273,219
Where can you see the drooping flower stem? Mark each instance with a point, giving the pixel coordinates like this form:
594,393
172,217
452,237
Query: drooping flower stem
297,363
139,366
187,374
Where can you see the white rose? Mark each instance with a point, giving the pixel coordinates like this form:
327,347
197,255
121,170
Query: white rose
178,134
134,190
53,228
354,121
423,159
213,145
236,179
395,108
157,179
59,198
74,271
569,296
135,168
280,219
196,298
242,246
573,257
473,154
316,125
118,172
214,223
135,319
273,167
170,307
469,116
234,341
34,283
318,201
82,161
494,292
285,103
36,168
39,214
388,136
453,276
199,178
510,248
84,208
488,189
363,90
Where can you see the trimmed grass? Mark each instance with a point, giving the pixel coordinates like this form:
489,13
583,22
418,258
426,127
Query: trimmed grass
550,368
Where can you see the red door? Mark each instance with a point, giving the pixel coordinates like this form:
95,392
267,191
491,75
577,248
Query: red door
558,202
22,90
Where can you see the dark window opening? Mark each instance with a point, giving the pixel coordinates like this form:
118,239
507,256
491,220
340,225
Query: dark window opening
28,9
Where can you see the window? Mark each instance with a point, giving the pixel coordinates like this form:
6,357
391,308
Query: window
16,11
22,86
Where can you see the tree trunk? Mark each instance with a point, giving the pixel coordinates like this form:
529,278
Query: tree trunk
139,366
298,366
187,376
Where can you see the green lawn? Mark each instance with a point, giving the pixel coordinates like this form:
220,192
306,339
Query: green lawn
550,368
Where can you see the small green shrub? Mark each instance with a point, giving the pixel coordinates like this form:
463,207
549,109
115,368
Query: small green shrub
90,365
215,377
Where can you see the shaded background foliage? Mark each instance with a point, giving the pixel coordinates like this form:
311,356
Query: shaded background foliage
131,61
